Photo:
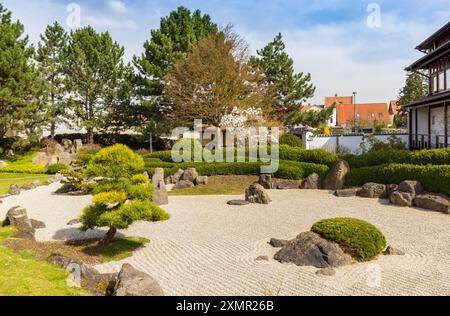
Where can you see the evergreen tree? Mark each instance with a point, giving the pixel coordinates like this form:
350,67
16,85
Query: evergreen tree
416,87
177,34
96,77
291,88
50,58
19,80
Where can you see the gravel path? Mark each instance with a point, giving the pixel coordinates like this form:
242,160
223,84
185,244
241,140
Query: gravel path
209,248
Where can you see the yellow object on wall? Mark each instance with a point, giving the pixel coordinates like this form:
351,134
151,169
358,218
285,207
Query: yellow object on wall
327,131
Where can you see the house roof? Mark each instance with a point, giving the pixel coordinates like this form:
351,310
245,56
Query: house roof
330,101
427,42
366,112
437,54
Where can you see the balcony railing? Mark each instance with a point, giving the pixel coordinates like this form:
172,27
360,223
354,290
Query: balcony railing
426,141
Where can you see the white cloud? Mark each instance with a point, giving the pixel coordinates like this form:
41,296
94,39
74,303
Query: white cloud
117,6
109,23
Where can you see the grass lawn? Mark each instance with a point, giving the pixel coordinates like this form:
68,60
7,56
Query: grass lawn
6,179
21,274
220,185
23,164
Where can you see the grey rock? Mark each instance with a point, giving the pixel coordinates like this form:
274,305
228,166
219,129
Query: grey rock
28,187
346,192
161,197
393,251
37,224
336,177
413,187
132,282
78,144
73,222
71,265
183,184
262,258
403,199
311,182
257,194
18,217
169,180
201,180
433,201
391,188
158,176
66,188
14,189
373,191
326,272
238,202
190,175
278,243
309,249
285,184
265,180
177,176
67,144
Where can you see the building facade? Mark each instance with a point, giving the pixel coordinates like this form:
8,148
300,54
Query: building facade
429,117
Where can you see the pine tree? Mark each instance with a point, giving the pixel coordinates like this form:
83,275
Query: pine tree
50,58
415,87
95,78
291,88
19,80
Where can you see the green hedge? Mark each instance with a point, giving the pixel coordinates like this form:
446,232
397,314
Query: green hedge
287,169
422,157
316,156
291,140
433,178
360,239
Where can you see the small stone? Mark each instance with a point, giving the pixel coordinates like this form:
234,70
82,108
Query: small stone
392,251
73,222
183,184
14,189
278,243
311,182
257,194
373,191
201,180
326,272
346,192
284,184
262,258
37,224
238,202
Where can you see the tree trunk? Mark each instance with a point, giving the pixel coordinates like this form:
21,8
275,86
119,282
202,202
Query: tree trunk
52,131
90,136
108,237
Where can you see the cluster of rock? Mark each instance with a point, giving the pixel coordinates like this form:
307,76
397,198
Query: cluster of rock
26,227
407,194
312,182
186,179
128,282
63,153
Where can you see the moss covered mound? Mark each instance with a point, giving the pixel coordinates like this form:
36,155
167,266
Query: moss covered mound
362,240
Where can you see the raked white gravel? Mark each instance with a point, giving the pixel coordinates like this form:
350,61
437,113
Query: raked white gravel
209,247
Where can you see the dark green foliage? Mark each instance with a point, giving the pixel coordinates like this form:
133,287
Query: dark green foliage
362,240
422,157
416,86
291,140
310,118
115,162
291,88
56,168
433,178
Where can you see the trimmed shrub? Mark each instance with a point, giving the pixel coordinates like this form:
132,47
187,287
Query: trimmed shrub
433,178
317,156
291,140
140,179
115,162
111,197
362,240
56,168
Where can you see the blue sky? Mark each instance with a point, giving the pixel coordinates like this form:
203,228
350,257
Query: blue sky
329,38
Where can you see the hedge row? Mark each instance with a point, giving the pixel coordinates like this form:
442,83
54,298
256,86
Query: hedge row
317,156
422,157
286,170
433,178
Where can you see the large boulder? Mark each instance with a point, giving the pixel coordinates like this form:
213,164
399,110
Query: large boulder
132,282
201,180
311,182
67,144
257,194
177,176
161,196
265,180
14,189
309,249
18,217
401,198
71,265
433,202
183,184
158,176
373,191
190,175
335,179
413,187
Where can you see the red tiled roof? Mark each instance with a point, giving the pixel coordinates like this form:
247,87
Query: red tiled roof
329,101
365,112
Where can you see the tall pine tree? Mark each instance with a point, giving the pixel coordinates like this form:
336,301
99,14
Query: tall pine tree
95,78
50,58
291,88
416,86
19,80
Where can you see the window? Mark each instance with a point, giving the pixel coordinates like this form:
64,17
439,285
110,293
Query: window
441,79
434,83
380,115
373,115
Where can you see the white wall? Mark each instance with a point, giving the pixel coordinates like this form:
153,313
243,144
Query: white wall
349,143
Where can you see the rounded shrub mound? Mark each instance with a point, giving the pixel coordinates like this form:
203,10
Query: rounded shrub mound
362,240
290,140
